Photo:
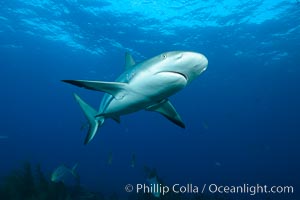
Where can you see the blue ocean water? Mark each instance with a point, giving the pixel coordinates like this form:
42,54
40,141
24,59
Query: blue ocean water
242,114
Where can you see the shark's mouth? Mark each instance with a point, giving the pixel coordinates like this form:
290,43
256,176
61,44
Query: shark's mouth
182,74
174,74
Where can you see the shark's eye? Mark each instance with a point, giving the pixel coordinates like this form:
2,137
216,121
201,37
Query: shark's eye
164,56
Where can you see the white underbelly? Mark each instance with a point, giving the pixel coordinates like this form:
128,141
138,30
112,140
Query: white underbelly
145,92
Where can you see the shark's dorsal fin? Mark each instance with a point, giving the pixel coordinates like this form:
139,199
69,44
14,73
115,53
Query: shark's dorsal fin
167,109
113,88
129,61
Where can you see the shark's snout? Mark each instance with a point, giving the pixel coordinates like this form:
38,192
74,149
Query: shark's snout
192,64
199,59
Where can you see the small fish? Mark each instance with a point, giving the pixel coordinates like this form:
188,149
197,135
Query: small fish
153,183
60,173
153,180
218,164
132,160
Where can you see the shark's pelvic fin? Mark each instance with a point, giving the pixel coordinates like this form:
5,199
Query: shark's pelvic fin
167,109
129,61
94,122
112,88
116,118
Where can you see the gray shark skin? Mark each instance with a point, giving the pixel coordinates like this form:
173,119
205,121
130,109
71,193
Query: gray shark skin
142,86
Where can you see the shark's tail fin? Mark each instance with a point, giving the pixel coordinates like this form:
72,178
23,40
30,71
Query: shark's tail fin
90,113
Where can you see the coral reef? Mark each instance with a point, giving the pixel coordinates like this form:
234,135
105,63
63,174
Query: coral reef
28,184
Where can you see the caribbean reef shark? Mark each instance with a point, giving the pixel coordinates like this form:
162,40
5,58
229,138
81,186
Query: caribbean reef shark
142,86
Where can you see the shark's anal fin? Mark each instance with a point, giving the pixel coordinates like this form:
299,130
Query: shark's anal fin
94,122
113,88
167,109
129,61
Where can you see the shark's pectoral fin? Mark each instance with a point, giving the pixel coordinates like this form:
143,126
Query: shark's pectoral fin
167,109
113,88
129,61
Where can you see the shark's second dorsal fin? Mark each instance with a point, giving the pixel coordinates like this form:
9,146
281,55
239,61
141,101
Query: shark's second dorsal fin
113,88
129,61
167,109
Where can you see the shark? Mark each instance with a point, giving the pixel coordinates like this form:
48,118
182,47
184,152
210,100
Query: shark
145,85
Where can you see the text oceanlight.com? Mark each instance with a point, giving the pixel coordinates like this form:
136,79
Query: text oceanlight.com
250,189
208,188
